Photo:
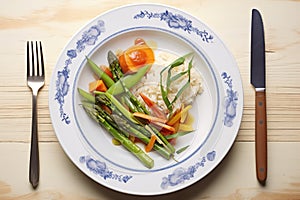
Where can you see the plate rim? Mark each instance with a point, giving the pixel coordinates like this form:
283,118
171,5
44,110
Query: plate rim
238,121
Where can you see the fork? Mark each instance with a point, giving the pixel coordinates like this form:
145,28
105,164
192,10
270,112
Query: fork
35,81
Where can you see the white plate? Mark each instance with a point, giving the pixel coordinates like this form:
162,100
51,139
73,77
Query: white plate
217,112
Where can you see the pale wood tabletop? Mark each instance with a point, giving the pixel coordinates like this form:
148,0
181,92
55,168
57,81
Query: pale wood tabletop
55,22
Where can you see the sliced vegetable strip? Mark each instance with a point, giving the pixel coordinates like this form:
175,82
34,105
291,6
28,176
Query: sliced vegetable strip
150,145
164,128
160,138
157,112
148,118
177,116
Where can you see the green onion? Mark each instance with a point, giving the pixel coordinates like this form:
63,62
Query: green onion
170,79
178,134
182,149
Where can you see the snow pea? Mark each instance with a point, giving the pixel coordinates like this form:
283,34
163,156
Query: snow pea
128,80
101,74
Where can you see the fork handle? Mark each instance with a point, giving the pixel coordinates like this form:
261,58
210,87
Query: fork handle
34,166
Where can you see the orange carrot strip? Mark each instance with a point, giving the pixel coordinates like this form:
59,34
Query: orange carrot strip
148,118
184,113
150,145
157,112
174,118
177,116
165,129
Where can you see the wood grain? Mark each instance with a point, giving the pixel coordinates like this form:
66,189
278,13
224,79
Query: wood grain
60,179
55,22
261,153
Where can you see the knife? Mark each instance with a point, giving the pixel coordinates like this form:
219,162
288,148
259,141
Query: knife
258,80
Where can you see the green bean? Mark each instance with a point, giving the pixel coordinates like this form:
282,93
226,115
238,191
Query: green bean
182,149
87,96
100,73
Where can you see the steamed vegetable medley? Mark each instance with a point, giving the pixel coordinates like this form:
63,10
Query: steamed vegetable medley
141,97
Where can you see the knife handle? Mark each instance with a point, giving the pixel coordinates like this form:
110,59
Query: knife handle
261,136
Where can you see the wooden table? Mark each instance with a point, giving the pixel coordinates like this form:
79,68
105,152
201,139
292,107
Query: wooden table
54,23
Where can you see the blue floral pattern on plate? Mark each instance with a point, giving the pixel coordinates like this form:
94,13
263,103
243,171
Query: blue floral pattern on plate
89,37
134,18
230,101
176,21
102,170
180,175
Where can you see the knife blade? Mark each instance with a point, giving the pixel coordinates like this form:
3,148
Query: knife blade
258,80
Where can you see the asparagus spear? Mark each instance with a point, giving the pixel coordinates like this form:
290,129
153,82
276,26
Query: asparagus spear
139,106
112,100
123,126
125,99
126,142
139,132
145,129
150,129
114,65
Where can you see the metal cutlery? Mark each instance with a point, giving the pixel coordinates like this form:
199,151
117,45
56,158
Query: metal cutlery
258,80
35,81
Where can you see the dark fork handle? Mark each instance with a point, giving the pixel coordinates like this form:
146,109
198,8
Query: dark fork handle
34,166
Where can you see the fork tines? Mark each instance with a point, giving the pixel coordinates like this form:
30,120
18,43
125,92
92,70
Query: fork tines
35,54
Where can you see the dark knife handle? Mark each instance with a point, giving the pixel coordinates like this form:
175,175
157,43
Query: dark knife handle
261,136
